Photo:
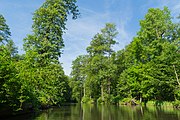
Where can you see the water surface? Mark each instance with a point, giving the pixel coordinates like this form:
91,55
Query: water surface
111,112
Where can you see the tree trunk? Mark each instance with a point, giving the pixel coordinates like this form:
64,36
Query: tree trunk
176,75
102,92
140,98
109,86
84,90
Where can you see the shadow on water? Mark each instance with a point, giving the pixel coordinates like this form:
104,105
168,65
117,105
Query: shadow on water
111,112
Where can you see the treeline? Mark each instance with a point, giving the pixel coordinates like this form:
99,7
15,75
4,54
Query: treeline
36,79
147,69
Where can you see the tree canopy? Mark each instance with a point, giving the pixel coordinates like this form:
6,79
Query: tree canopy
147,69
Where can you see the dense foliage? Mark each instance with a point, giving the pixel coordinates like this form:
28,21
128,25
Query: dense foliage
36,79
146,69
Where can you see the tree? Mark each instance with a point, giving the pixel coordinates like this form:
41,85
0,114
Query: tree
78,77
100,52
149,59
40,72
49,25
157,25
4,31
9,86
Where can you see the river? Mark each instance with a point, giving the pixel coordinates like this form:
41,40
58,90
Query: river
101,112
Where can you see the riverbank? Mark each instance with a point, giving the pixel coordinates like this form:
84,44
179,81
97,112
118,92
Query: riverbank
133,102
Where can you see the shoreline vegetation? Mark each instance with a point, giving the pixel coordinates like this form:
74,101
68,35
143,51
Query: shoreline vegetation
145,72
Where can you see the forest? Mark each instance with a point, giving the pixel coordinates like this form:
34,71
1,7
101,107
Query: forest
147,69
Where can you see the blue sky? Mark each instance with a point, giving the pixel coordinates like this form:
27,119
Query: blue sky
94,14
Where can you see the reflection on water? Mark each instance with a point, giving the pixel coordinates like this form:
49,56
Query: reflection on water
100,112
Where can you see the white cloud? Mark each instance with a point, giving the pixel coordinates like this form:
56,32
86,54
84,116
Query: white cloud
19,18
173,5
79,34
81,31
175,8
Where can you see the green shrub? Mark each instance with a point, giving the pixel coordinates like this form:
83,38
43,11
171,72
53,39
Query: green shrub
87,100
176,104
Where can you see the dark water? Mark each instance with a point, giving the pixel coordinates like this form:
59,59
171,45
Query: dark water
100,112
